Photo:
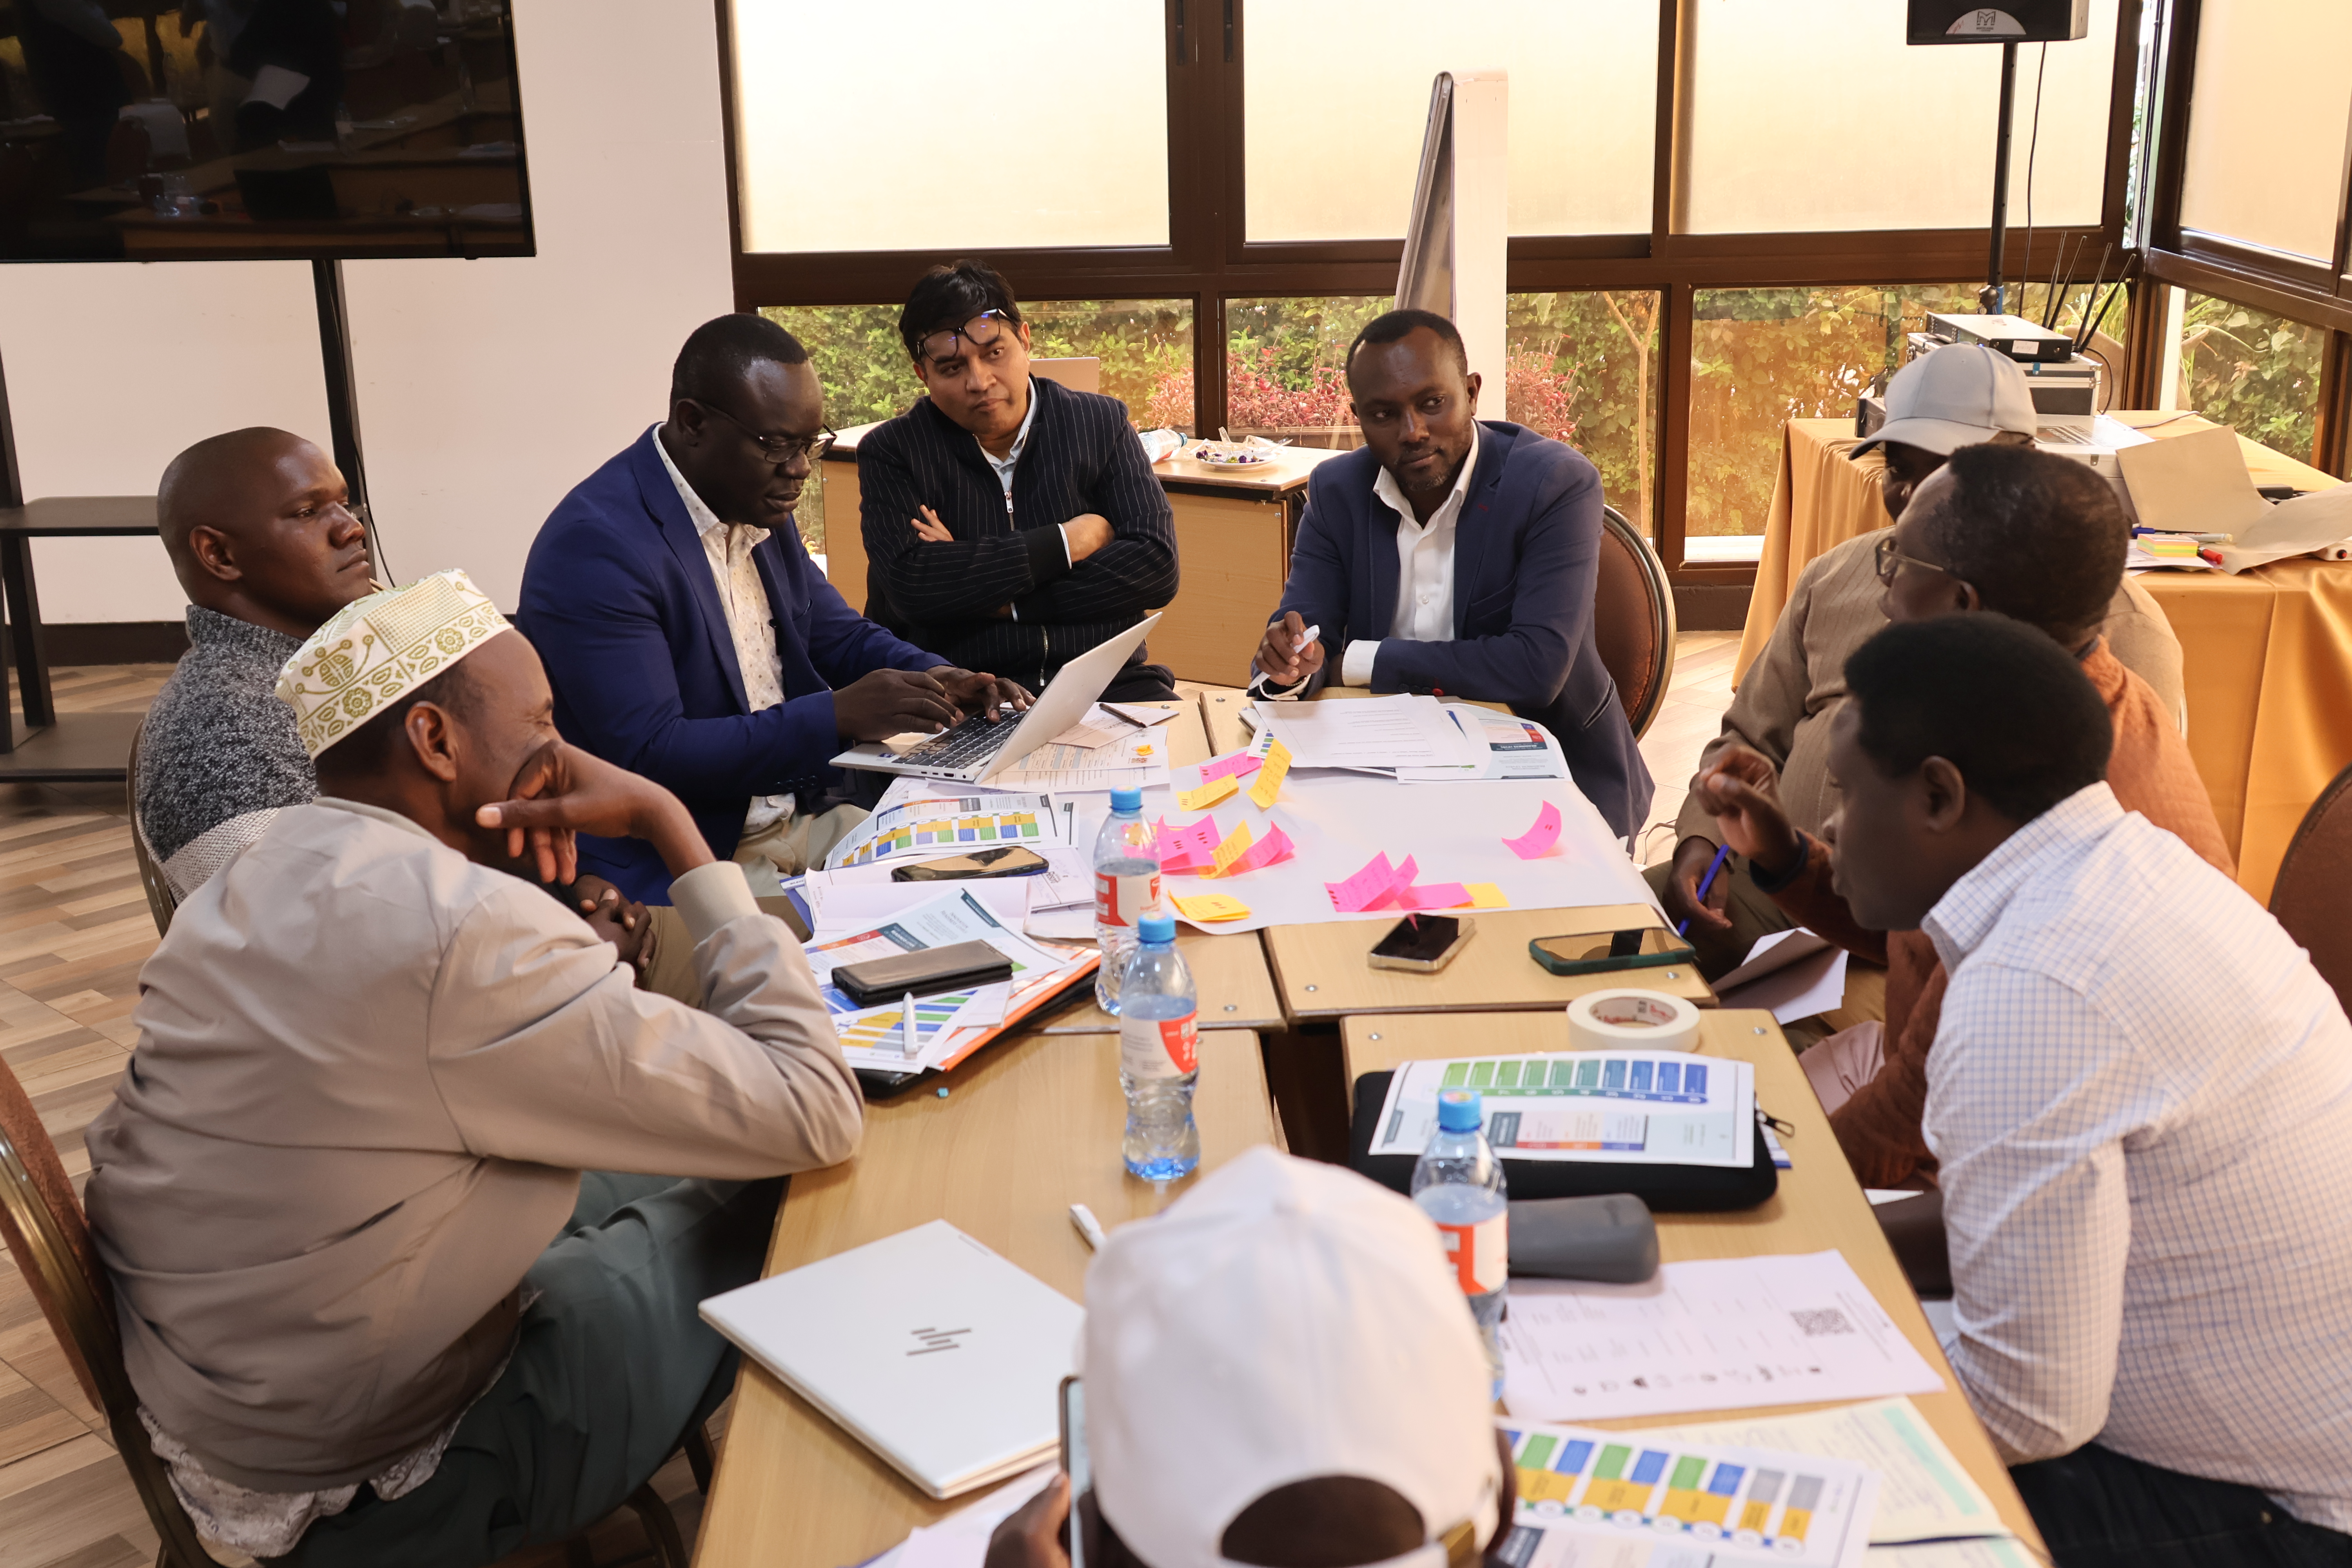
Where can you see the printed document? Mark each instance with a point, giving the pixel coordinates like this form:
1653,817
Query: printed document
1506,746
1383,733
1639,1500
1636,1107
1714,1334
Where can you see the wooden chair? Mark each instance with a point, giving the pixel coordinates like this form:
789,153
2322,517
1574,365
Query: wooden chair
1633,619
162,902
2309,896
43,1223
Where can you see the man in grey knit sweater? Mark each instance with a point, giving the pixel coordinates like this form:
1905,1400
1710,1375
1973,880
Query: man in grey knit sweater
260,533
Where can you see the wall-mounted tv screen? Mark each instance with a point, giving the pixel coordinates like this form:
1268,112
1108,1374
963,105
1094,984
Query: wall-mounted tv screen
223,130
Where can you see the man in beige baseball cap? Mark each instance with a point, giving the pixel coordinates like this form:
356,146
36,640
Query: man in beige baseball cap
1961,395
1279,1371
409,1193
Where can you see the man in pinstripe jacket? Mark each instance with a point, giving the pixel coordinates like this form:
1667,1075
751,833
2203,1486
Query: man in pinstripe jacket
1011,524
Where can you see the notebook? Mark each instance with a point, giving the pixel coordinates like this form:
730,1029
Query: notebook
937,1353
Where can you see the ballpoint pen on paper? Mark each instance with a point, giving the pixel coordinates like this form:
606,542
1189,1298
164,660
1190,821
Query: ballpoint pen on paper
1722,854
1088,1226
907,1028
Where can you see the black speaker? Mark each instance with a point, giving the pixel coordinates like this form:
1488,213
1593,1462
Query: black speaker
2010,22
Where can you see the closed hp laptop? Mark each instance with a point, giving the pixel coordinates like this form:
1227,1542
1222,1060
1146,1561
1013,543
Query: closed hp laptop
974,751
934,1351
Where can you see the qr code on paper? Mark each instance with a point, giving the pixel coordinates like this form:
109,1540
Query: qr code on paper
1815,1322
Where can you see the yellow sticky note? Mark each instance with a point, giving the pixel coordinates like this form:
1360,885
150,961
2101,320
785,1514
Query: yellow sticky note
1485,896
1235,845
1269,776
1213,907
1209,793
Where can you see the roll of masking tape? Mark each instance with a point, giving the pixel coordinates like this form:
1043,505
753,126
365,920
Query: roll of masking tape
1632,1021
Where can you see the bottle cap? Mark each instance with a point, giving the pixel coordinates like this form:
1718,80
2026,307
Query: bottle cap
1460,1110
1129,798
1156,928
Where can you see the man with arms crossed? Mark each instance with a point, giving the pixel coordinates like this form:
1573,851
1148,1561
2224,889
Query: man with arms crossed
2141,1096
1959,396
373,1311
690,638
1011,521
1457,555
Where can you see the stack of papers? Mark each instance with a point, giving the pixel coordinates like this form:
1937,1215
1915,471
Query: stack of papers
926,824
1374,734
1104,749
1791,975
1638,1107
1716,1334
1639,1500
947,1026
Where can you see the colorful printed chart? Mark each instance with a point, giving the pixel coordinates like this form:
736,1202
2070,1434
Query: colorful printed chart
1661,1498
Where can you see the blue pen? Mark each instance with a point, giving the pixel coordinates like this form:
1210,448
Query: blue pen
1721,855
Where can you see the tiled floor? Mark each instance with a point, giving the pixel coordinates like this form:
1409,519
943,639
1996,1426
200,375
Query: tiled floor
74,929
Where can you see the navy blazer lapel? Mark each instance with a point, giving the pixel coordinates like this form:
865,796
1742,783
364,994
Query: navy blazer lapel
667,508
1380,524
1476,526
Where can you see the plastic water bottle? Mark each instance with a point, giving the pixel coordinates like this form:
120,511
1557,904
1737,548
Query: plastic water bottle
1159,1055
1127,888
1458,1183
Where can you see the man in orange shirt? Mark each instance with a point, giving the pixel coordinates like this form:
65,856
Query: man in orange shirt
2025,534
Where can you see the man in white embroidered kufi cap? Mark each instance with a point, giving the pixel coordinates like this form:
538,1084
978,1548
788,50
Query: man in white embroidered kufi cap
371,1069
1279,1371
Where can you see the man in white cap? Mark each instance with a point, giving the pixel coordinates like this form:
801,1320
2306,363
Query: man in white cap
1279,1371
1959,396
374,1312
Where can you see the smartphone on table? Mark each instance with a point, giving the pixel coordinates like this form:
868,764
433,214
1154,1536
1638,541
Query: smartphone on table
1598,952
1422,943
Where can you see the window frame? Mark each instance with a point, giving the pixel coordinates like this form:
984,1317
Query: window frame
1210,258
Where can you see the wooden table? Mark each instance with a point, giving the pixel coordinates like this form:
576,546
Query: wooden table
1819,1207
45,744
1319,970
1233,530
1229,969
2266,660
1026,1132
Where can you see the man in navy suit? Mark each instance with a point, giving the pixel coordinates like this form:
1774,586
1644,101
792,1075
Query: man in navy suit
1457,555
690,637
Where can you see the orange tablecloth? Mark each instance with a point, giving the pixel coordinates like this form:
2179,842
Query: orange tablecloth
2267,654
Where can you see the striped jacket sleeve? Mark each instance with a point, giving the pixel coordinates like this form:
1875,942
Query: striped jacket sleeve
1137,571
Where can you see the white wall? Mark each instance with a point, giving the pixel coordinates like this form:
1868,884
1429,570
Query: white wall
486,388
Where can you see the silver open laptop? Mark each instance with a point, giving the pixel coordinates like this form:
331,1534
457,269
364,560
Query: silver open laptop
973,749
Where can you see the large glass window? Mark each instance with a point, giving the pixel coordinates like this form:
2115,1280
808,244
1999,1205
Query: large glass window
1760,356
931,124
1583,369
2266,125
1284,376
1336,98
1815,114
2257,373
1145,346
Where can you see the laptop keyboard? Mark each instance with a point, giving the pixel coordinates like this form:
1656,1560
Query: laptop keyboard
973,740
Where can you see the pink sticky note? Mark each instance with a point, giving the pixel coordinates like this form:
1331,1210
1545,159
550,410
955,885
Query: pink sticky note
1241,764
1399,880
1538,839
1433,895
1356,891
1272,849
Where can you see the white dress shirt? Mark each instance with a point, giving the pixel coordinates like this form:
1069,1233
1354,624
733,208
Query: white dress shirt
1010,461
1425,606
2141,1096
750,620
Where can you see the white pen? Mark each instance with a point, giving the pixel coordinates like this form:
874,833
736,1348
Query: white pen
907,1027
1088,1226
1309,636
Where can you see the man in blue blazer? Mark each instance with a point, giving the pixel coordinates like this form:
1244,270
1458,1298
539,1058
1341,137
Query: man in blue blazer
690,637
1454,555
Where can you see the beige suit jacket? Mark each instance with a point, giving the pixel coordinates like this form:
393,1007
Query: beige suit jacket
1786,700
368,1076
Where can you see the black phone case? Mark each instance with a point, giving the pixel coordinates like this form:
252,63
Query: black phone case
925,972
1667,1189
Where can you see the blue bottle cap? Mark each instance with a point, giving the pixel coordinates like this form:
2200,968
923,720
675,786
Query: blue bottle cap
1128,799
1460,1110
1156,928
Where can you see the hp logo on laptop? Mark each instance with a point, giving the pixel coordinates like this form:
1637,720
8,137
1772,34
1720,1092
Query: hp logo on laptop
936,1340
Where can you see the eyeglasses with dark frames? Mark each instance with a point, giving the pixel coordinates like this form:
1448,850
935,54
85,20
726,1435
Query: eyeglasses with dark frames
779,448
980,331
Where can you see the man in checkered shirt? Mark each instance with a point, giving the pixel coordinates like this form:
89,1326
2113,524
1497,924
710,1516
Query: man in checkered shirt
2141,1098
